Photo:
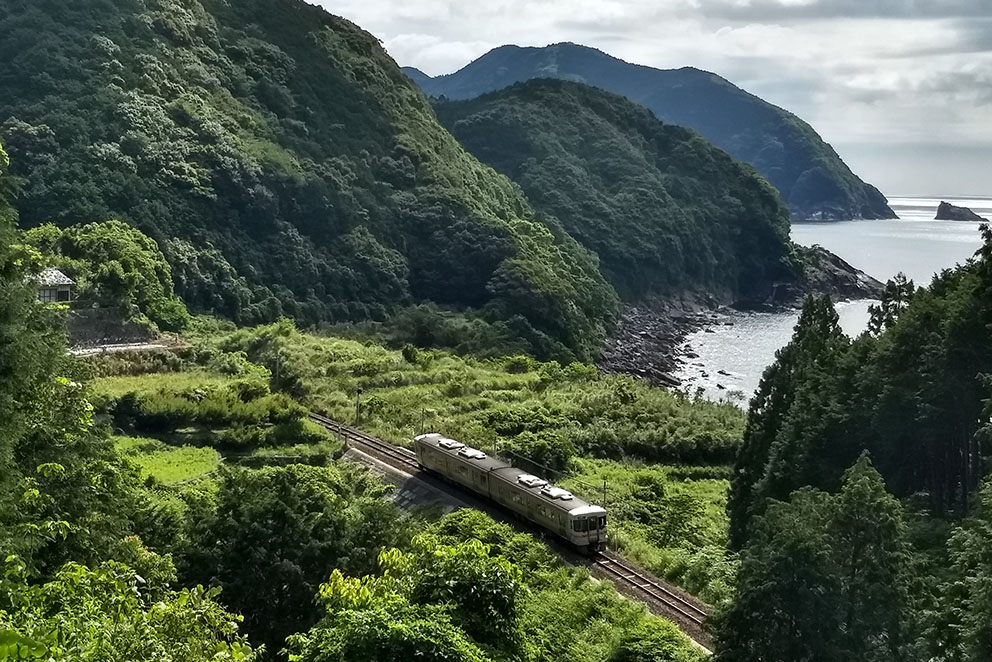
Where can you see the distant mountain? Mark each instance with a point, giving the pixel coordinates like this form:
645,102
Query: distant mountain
416,75
811,177
664,209
286,166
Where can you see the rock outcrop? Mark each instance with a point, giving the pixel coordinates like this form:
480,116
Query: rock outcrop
948,212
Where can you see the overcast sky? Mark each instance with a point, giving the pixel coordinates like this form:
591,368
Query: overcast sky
901,88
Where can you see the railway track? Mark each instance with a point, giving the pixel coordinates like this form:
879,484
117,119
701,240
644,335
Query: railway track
400,457
691,617
619,568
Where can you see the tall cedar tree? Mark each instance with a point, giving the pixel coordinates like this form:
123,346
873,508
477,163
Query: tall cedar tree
823,578
786,417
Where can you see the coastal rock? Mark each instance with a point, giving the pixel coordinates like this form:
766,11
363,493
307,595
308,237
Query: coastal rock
826,273
948,212
648,340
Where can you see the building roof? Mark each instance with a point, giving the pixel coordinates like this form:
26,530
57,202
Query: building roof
52,276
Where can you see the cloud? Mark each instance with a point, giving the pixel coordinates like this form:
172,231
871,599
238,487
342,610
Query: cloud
791,10
884,72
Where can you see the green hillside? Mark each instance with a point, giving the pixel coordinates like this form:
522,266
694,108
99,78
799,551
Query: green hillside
664,209
283,163
812,178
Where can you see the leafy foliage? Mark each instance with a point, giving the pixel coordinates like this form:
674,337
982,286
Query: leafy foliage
513,401
115,266
110,613
811,177
283,166
275,532
663,209
431,603
69,582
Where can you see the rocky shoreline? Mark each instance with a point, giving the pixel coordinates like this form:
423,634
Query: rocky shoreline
649,341
649,338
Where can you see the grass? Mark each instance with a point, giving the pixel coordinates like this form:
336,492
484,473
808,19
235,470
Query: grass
488,402
167,464
711,493
116,387
691,510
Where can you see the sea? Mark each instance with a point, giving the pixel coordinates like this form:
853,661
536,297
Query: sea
733,353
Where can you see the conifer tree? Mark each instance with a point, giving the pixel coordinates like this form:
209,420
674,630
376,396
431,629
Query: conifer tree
823,577
785,416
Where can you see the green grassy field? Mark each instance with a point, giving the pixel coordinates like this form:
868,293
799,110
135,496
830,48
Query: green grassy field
168,464
672,520
490,402
118,386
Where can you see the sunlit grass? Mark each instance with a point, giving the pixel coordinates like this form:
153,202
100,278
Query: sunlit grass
115,387
167,464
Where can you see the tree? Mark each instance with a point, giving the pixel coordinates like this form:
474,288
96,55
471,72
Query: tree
897,295
788,588
276,532
117,267
480,590
823,577
438,601
967,594
371,619
788,417
110,613
868,538
64,495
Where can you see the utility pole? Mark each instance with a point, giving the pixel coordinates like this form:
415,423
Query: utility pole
358,408
604,493
423,420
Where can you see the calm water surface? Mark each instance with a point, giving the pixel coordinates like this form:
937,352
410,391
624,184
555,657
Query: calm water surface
742,345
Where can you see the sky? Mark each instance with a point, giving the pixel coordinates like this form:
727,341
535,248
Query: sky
902,89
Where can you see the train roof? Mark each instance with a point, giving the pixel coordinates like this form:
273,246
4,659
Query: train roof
556,497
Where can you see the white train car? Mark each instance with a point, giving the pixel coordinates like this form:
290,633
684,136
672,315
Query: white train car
552,508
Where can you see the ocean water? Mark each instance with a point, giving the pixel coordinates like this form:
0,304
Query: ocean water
733,354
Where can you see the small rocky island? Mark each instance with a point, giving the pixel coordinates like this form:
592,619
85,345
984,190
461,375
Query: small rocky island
948,212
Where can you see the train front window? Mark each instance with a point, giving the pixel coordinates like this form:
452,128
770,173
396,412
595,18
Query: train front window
602,522
579,525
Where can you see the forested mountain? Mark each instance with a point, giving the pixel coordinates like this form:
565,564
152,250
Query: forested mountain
663,209
283,163
812,178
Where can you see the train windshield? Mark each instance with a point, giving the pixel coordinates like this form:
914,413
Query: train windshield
602,522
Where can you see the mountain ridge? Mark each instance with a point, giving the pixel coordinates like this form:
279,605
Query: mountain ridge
812,178
664,209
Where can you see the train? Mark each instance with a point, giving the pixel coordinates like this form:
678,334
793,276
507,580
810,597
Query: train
551,508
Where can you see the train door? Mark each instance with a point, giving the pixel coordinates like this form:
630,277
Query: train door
596,526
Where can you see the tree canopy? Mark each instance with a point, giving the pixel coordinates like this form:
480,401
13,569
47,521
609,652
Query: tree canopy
284,167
